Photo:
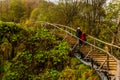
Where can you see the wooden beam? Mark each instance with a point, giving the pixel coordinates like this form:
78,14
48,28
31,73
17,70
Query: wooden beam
102,64
118,70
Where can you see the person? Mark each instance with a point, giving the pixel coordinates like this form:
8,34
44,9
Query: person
78,34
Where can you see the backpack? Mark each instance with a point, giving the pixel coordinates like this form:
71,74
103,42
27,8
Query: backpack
83,37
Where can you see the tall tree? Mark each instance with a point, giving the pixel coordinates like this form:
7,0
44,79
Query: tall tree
16,11
29,5
112,12
4,10
69,9
94,14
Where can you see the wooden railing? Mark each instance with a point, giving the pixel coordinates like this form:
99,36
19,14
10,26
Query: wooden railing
70,31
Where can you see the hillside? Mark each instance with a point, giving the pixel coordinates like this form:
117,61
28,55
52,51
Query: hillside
36,54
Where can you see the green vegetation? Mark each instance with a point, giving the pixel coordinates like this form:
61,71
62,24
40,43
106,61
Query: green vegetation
96,18
36,54
27,53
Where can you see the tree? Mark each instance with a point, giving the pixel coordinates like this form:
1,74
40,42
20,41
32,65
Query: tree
112,12
29,5
94,13
40,55
4,10
16,11
69,9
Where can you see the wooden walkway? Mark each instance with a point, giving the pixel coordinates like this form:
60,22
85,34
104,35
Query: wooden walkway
105,60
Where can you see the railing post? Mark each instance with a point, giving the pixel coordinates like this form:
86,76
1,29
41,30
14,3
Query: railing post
92,53
111,50
118,70
107,62
91,58
94,43
107,56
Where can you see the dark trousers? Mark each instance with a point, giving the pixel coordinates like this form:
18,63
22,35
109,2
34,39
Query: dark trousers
80,42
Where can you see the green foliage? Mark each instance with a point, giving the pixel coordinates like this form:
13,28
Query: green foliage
38,46
26,56
45,34
16,71
62,49
39,55
1,67
16,10
9,29
46,13
35,13
113,19
112,10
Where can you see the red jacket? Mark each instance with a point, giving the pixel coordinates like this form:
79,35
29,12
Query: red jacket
83,37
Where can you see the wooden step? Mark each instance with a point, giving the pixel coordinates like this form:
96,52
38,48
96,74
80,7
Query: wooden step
102,60
98,57
98,54
110,68
111,64
113,72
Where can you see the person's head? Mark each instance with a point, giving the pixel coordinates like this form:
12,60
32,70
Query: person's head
78,28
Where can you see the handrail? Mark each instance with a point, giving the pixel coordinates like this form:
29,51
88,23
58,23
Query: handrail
84,41
56,25
105,42
68,31
92,37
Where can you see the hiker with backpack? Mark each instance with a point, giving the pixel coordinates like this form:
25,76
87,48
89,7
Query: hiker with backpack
78,34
